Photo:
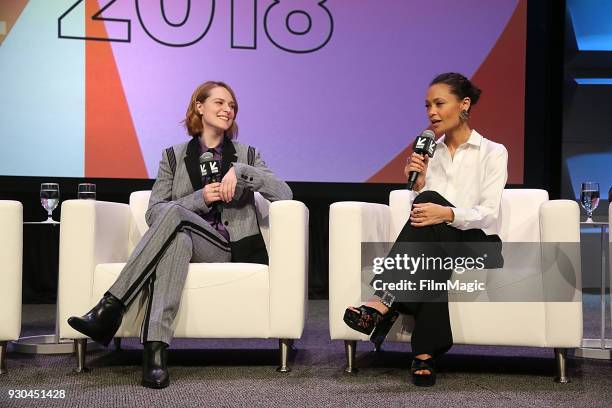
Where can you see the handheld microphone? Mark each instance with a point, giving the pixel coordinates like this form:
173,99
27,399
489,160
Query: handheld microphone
423,144
209,167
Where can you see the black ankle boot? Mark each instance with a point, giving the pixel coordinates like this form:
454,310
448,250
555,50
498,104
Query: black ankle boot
154,369
102,322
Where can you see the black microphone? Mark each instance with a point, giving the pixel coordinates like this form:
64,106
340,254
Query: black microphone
423,144
209,167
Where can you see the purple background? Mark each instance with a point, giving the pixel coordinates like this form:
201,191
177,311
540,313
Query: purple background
336,114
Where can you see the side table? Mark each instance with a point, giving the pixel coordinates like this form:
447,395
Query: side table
47,343
600,348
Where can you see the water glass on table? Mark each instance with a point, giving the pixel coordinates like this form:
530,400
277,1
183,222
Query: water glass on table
589,198
49,198
86,191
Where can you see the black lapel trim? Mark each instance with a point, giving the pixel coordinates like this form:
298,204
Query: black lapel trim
228,156
192,163
251,249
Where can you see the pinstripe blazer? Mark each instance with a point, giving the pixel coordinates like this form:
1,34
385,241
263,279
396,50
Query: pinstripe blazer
179,180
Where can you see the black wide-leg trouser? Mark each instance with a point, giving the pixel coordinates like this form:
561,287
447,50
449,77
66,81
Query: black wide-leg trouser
432,330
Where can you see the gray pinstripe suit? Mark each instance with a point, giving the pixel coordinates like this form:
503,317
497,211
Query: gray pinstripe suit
178,235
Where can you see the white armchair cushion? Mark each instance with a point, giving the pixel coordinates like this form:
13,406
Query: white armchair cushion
219,300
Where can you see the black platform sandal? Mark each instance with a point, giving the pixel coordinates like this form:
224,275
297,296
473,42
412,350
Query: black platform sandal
366,319
423,380
382,328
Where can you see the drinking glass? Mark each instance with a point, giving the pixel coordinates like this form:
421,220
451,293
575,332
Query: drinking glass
86,191
49,198
589,198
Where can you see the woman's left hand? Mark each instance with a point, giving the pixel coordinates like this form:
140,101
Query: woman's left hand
228,185
426,214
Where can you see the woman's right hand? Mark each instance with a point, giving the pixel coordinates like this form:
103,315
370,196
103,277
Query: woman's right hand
417,162
211,193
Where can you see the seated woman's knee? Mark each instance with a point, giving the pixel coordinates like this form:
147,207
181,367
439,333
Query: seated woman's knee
173,211
429,197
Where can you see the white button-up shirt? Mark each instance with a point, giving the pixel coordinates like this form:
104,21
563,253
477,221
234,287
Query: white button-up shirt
473,181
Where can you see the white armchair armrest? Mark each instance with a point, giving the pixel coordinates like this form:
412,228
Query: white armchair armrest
11,254
288,256
560,223
350,224
92,232
400,202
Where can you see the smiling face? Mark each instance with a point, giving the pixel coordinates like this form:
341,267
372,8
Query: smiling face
444,107
217,111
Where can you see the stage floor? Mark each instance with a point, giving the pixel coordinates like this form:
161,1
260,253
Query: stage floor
242,373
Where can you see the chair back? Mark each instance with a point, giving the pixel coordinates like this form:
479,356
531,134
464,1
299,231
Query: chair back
520,215
519,219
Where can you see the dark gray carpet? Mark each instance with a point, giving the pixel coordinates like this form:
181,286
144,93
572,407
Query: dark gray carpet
242,373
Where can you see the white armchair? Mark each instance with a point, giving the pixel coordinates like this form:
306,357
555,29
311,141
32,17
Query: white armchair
11,250
526,216
97,237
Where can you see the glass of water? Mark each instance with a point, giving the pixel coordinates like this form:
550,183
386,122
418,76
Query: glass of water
589,198
49,198
86,191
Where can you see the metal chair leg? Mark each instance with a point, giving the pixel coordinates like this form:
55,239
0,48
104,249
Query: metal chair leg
117,341
80,346
284,347
3,345
561,365
350,347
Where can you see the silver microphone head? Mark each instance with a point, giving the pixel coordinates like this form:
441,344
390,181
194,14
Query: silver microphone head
428,134
206,157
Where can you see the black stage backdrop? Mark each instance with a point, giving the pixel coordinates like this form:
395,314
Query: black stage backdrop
543,129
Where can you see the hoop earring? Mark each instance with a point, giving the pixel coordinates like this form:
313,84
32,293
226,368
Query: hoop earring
464,115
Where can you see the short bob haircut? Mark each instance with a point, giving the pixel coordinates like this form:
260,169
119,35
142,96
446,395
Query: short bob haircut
193,120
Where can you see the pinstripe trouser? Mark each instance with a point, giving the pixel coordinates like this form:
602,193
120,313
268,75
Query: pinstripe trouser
160,262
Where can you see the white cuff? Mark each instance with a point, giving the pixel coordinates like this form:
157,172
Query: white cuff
459,218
